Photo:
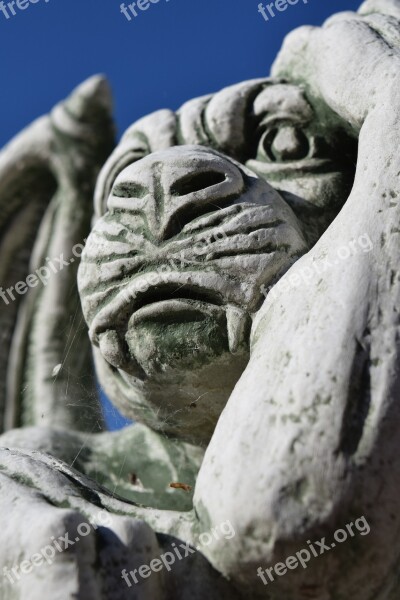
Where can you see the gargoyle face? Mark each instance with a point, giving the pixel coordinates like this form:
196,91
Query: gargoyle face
189,237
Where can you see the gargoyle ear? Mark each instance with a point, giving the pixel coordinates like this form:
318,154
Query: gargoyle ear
47,178
221,120
227,116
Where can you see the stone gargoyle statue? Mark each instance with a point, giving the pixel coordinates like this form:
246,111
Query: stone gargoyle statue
237,283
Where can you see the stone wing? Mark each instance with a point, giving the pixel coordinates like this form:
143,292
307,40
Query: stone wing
47,178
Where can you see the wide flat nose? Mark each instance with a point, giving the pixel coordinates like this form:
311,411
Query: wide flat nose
170,189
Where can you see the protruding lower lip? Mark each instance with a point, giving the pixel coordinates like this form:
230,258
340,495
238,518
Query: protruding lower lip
171,292
174,310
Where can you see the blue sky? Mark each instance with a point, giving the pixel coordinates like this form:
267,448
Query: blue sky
176,50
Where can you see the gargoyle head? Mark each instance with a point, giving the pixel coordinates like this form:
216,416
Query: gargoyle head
198,213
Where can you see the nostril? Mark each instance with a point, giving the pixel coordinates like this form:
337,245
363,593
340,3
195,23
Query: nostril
129,190
195,182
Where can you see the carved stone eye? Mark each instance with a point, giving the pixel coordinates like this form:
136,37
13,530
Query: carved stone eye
287,143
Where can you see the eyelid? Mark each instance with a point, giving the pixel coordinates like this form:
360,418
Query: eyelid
280,120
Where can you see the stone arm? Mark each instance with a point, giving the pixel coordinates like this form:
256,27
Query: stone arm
309,439
63,536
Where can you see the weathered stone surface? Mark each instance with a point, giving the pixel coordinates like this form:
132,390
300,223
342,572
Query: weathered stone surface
225,317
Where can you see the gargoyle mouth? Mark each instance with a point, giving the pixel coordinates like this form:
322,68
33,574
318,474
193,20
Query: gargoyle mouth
155,294
171,303
140,329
